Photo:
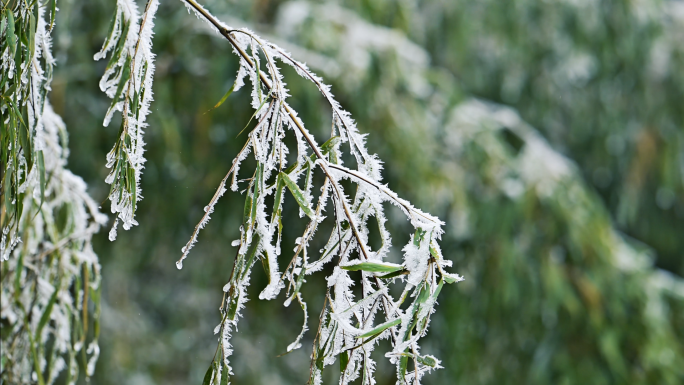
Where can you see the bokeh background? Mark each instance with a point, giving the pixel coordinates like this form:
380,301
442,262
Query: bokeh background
549,135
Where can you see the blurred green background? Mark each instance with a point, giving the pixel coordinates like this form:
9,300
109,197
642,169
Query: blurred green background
549,135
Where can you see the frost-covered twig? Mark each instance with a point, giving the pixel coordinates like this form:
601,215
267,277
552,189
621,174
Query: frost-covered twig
423,267
50,274
128,81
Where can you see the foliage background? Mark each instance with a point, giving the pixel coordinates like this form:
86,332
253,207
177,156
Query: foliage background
565,209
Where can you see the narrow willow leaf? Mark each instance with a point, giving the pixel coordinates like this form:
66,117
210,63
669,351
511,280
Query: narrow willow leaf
298,195
434,253
45,317
251,253
17,277
53,10
376,331
280,184
119,89
394,274
257,191
32,34
326,148
232,306
224,375
374,267
41,171
344,361
451,278
223,99
403,365
253,115
207,375
11,37
427,360
330,144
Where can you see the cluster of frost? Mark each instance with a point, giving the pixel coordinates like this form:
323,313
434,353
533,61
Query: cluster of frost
128,81
51,276
350,327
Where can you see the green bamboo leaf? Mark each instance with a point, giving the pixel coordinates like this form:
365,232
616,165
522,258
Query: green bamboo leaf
224,375
381,328
17,276
53,10
374,267
418,236
247,210
41,170
326,147
427,360
403,365
451,278
344,361
253,115
3,23
48,308
126,74
267,267
298,284
330,144
280,184
223,99
119,49
207,375
32,34
257,190
298,195
251,253
394,274
435,254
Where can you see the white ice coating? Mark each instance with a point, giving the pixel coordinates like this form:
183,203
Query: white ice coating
48,286
348,317
137,60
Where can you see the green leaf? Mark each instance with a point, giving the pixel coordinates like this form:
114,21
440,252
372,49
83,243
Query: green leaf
232,306
53,10
48,309
374,267
403,365
207,375
298,195
327,147
112,26
394,274
122,82
41,170
427,360
224,375
17,277
330,144
247,210
32,35
434,252
251,252
257,190
253,115
344,361
280,184
418,236
223,99
451,278
381,328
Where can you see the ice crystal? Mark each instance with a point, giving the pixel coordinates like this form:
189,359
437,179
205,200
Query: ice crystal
128,81
350,327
